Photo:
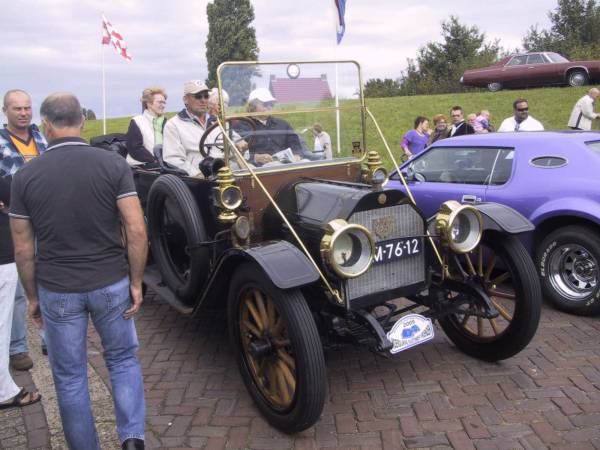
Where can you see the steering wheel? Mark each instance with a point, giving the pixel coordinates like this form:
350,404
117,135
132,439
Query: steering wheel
219,138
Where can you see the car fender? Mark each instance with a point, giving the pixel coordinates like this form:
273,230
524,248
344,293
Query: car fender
499,217
285,264
585,208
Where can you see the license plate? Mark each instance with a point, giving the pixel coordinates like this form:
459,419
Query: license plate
410,330
394,249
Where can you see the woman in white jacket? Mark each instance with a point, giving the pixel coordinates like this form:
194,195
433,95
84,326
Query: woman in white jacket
146,129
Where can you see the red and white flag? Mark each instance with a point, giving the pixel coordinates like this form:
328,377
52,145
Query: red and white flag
112,36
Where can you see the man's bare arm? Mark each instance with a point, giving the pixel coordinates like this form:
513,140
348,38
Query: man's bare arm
24,242
137,247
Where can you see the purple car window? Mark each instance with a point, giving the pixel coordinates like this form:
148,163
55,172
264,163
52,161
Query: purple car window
502,167
464,165
548,161
594,146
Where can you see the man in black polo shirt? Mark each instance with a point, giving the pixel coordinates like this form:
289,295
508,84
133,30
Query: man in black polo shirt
71,200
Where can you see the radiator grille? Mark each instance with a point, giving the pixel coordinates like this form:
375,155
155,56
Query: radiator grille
386,276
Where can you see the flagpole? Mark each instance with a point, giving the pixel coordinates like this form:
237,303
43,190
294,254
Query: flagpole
103,93
337,107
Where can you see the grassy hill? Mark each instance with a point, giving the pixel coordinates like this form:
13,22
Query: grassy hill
396,115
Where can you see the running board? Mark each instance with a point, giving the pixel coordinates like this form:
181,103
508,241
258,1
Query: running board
154,281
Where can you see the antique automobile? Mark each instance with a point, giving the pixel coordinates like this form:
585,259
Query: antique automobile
304,253
532,69
550,177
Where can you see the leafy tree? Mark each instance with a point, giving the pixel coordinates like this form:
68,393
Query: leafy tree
439,65
376,87
91,115
231,37
573,31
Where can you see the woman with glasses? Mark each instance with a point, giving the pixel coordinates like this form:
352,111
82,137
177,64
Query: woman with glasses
146,129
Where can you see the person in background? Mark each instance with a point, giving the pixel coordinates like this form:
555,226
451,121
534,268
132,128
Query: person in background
583,112
20,142
415,140
77,269
471,119
146,129
482,122
440,130
271,134
521,120
214,106
183,131
322,141
459,126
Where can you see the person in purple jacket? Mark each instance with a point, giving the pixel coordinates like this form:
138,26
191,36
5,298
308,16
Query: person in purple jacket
415,141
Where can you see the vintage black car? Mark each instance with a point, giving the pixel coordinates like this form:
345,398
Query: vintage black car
303,251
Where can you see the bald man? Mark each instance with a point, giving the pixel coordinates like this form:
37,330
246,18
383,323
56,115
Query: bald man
20,141
583,112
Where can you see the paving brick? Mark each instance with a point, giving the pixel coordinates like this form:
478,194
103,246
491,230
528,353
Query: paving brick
391,440
460,440
424,411
410,426
546,433
345,423
426,441
475,428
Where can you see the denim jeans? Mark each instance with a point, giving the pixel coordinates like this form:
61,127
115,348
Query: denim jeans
66,321
8,283
18,333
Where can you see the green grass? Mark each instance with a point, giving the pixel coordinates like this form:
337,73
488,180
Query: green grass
396,115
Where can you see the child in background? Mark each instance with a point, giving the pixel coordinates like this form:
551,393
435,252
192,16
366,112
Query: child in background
482,122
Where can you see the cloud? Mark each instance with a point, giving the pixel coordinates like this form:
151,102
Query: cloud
51,45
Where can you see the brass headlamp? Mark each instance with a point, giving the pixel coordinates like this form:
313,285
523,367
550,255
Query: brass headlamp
460,226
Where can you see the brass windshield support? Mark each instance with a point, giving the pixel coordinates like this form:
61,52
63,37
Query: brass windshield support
240,158
410,196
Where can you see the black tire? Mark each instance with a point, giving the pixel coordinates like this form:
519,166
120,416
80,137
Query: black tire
176,231
516,265
577,78
494,86
568,262
288,317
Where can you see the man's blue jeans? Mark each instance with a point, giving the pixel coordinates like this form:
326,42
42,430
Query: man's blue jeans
66,321
18,333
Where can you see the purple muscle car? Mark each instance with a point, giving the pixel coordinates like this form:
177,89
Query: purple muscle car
532,69
552,178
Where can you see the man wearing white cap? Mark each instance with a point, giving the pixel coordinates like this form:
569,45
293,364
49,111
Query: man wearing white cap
272,134
183,132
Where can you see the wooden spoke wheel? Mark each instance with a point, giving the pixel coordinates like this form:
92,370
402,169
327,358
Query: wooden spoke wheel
278,349
501,268
267,349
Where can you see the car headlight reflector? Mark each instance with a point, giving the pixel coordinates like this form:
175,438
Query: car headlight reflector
460,226
231,197
347,249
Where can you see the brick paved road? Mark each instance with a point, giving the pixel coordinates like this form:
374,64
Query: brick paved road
433,395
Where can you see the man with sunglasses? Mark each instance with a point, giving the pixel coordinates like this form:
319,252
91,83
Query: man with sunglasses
459,126
183,132
521,121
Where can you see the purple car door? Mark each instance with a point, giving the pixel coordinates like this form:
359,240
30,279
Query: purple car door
451,173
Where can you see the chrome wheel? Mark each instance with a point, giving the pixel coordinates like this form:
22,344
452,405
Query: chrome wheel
578,78
573,271
494,87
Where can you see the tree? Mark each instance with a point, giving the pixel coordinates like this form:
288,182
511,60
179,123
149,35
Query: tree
376,87
573,31
91,115
439,65
231,37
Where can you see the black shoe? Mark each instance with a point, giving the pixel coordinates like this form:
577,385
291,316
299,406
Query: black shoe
133,444
44,350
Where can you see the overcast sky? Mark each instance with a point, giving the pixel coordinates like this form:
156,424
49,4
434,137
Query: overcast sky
51,45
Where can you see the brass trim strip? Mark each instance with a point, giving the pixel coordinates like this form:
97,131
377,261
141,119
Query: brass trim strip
240,157
412,199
